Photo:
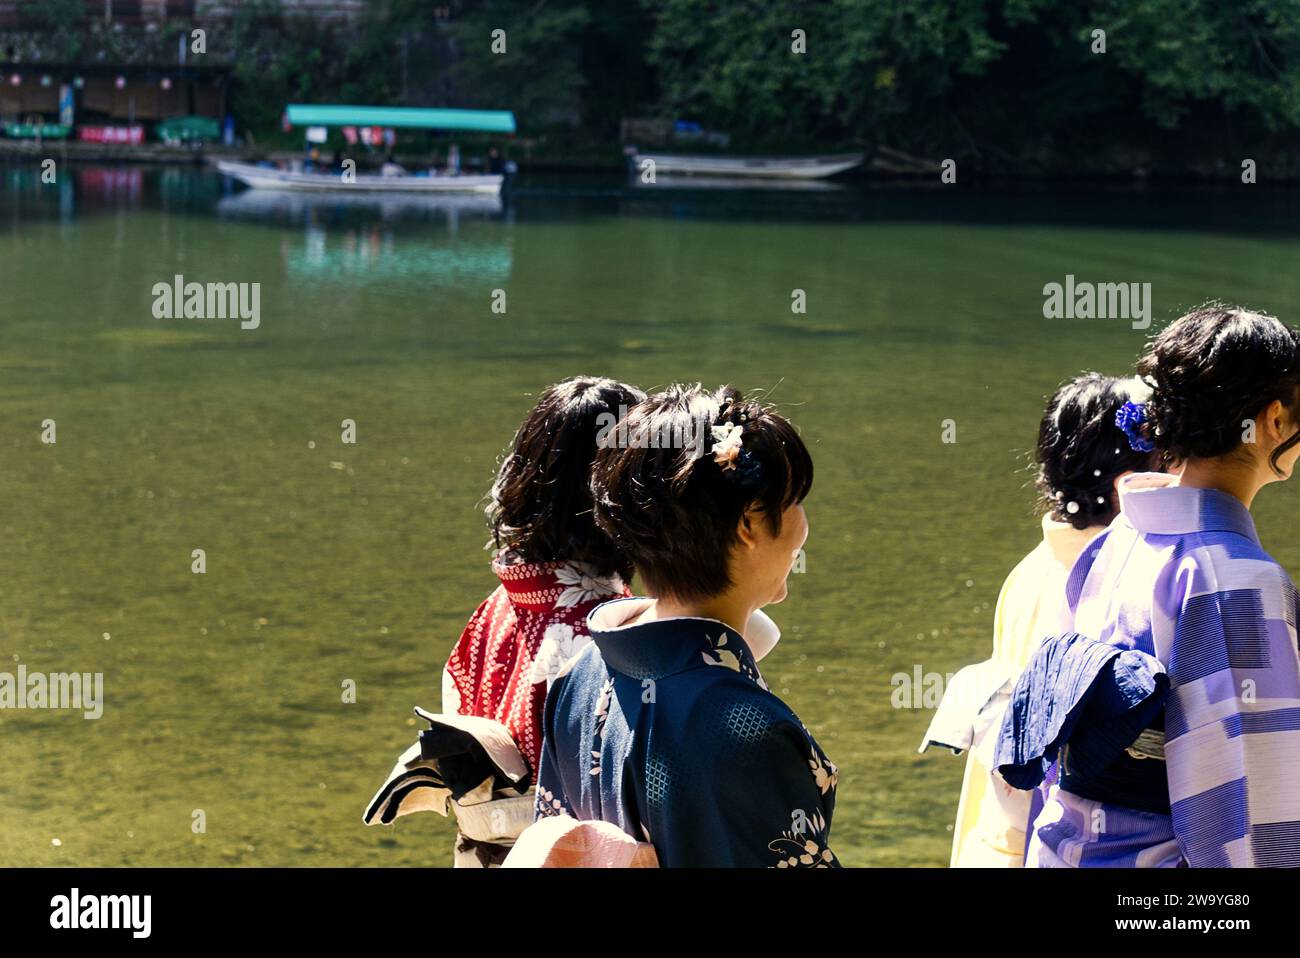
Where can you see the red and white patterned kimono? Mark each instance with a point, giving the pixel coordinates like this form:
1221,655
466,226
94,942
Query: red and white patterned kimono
517,641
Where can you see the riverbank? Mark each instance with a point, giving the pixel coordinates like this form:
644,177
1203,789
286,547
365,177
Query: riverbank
883,163
605,161
159,153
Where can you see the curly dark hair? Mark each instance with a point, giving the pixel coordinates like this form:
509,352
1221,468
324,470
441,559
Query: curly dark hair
1081,451
673,509
539,507
1211,372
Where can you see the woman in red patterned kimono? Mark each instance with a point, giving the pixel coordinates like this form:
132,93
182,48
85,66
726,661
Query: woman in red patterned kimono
555,566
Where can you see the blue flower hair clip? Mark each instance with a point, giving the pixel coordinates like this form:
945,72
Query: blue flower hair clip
1132,416
731,455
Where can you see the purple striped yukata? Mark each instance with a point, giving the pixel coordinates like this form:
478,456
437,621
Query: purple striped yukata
1181,575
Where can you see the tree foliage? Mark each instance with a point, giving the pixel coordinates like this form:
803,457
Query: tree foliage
1010,70
1018,80
539,74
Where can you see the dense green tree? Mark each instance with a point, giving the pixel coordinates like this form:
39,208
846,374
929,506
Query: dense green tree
539,74
276,60
973,74
1240,54
1015,84
733,63
62,20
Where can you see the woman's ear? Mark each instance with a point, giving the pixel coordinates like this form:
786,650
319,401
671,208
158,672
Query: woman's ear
1274,423
745,528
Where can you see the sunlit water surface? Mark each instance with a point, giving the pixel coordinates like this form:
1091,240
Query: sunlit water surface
329,563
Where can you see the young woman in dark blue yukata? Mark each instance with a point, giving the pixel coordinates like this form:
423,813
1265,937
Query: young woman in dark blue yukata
663,726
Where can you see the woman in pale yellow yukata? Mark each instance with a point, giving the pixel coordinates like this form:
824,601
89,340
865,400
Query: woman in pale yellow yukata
1081,454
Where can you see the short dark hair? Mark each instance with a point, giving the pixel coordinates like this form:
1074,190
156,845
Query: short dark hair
1213,369
539,507
1081,451
675,512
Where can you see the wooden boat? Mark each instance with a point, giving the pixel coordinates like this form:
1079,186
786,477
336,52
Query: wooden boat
271,178
761,167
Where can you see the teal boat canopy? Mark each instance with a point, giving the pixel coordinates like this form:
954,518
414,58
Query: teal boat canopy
482,121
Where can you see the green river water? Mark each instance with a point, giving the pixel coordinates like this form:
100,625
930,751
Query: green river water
329,562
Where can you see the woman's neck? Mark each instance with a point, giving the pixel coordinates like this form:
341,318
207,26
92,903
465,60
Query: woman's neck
1236,478
730,609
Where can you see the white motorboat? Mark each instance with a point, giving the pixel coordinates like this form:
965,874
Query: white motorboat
272,178
761,167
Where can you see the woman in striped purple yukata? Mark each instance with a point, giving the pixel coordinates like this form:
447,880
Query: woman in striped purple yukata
1181,575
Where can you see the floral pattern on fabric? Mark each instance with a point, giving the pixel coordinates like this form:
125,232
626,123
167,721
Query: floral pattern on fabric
719,653
804,845
582,585
502,664
602,715
560,642
824,772
548,806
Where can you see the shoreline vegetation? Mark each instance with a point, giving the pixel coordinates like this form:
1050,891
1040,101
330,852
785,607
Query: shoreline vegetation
882,165
1007,88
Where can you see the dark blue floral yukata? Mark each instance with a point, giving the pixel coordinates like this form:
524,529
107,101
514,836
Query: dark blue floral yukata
667,730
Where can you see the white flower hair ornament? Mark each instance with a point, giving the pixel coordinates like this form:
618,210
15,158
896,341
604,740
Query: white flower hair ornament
729,452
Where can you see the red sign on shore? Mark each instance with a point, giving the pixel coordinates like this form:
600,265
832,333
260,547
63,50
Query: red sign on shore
110,134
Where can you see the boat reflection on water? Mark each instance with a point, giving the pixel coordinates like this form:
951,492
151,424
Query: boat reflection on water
286,207
375,255
363,239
